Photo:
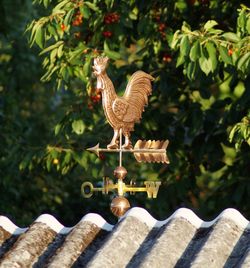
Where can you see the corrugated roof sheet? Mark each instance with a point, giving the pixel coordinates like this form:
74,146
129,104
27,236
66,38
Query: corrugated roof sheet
137,240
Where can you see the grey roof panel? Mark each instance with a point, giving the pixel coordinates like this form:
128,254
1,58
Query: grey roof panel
165,248
122,244
29,246
137,240
218,245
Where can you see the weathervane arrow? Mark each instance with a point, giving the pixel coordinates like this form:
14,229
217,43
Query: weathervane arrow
144,151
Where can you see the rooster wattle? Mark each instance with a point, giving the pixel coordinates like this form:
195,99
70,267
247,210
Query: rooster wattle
122,112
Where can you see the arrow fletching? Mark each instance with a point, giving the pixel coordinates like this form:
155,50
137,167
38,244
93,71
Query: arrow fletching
151,151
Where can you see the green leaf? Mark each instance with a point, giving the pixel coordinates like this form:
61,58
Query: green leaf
232,132
47,49
91,6
191,70
212,53
85,11
248,25
111,54
60,51
235,56
39,37
241,19
46,3
184,45
109,3
185,27
80,158
54,153
49,73
78,126
48,163
231,37
180,60
68,17
224,55
53,54
60,5
205,65
57,129
52,30
34,25
195,51
243,60
215,31
132,15
86,67
175,40
210,24
67,157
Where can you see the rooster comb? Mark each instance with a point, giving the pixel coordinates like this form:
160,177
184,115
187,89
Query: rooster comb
101,61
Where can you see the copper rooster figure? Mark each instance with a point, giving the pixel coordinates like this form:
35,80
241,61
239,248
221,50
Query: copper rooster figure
122,112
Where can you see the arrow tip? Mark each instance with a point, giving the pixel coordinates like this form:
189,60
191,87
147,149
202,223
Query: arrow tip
94,149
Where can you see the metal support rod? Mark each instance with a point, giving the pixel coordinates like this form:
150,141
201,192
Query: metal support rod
120,151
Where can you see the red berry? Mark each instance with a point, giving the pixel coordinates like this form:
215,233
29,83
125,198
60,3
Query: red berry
95,98
163,34
107,34
90,106
111,18
167,58
78,19
63,27
161,27
230,52
102,156
98,97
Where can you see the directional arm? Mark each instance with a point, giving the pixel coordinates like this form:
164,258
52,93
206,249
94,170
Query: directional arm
151,187
144,151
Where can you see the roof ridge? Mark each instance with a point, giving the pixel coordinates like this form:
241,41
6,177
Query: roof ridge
54,224
98,220
140,213
10,227
230,213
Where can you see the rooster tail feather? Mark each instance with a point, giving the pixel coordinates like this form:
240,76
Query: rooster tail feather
137,92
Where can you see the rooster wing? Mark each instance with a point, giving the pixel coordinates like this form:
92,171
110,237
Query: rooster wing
130,107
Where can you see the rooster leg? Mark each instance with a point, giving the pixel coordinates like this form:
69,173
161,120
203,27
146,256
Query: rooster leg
114,142
127,144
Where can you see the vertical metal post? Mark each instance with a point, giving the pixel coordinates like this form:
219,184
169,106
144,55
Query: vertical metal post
120,151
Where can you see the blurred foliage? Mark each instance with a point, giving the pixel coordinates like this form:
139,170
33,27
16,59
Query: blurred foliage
198,51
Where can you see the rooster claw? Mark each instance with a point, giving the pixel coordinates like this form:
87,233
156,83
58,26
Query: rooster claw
112,146
127,146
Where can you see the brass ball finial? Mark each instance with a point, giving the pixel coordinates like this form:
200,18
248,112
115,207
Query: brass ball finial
119,206
120,173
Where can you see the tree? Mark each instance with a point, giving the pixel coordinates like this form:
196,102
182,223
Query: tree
199,54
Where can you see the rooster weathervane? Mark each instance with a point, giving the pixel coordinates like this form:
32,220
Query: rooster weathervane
122,113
